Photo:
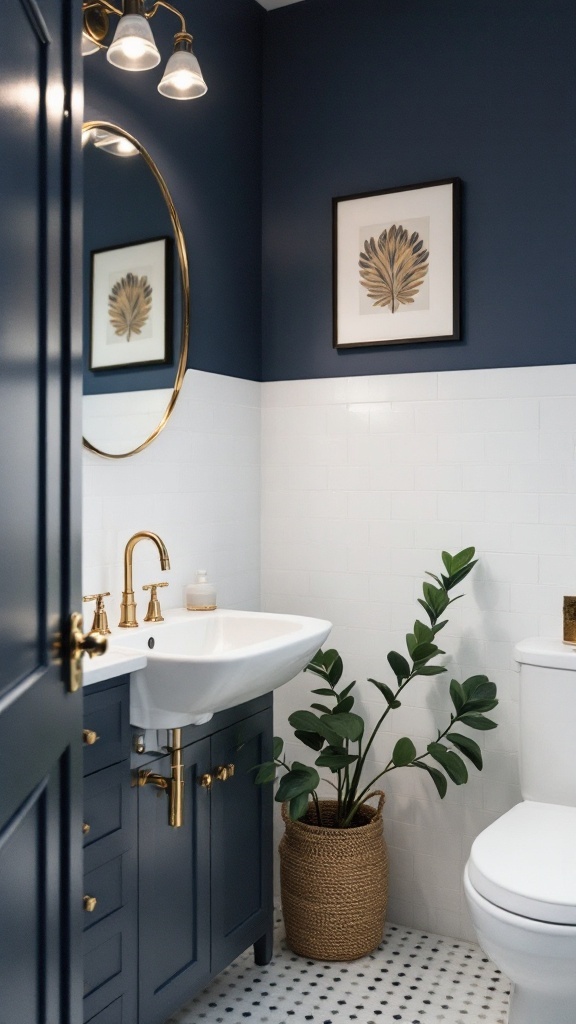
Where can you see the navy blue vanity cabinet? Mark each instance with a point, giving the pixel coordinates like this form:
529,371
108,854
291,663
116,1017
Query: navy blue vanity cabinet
110,861
205,889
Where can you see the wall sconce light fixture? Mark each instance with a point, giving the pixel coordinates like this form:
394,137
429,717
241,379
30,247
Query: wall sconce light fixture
133,47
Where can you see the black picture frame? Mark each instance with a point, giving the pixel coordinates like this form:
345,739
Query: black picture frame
397,265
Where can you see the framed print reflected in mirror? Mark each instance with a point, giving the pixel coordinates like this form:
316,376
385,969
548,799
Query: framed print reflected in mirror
131,303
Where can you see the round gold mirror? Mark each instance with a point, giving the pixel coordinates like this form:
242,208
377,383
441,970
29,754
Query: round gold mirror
136,295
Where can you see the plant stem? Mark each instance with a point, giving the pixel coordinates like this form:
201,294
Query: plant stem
318,815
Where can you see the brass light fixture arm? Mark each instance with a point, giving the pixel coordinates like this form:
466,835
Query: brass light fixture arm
100,5
89,4
162,3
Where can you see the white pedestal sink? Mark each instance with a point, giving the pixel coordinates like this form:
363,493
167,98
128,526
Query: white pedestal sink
202,662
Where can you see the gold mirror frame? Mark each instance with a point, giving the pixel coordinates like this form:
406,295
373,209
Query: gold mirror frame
114,129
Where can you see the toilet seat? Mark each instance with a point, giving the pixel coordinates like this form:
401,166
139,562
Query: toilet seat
525,862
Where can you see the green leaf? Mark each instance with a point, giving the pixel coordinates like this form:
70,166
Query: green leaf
298,806
278,746
478,688
439,626
475,720
310,739
266,772
423,652
452,764
429,611
424,634
322,708
457,695
461,559
468,747
447,560
404,752
480,706
431,670
316,664
411,642
325,692
344,693
344,705
335,761
399,665
386,692
333,665
452,581
438,779
349,726
305,721
295,782
436,597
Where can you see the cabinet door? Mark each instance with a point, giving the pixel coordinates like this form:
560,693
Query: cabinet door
174,911
241,842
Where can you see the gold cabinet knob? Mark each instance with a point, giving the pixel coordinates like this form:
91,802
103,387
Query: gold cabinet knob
85,828
206,780
89,737
224,772
90,904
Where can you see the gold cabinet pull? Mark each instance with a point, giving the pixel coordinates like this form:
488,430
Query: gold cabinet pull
90,904
206,780
224,772
89,737
85,828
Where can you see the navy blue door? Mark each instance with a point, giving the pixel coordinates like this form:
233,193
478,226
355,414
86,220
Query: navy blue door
40,721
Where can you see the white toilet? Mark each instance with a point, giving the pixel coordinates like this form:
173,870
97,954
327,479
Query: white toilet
520,880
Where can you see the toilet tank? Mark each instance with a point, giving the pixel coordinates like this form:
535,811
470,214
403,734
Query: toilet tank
547,720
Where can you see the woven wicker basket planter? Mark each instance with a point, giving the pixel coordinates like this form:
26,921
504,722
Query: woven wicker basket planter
334,883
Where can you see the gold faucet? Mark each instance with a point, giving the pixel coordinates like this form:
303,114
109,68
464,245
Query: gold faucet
128,605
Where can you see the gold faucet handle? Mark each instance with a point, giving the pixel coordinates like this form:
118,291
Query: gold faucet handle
154,613
100,620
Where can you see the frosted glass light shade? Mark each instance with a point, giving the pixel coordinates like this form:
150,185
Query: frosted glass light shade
88,45
133,47
182,79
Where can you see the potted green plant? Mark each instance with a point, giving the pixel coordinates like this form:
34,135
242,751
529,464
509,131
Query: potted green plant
333,856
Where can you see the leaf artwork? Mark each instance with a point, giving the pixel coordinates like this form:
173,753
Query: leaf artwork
393,267
129,305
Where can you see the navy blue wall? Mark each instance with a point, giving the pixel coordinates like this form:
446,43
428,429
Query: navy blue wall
361,95
209,151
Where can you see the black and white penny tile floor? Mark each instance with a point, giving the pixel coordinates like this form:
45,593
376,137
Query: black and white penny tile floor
413,977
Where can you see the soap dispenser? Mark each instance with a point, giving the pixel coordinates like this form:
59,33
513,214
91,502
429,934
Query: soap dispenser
201,595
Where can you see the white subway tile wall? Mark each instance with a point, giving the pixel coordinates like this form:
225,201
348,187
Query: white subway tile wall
197,485
364,481
332,497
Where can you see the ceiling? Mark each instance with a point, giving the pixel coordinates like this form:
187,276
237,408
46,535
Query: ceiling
270,5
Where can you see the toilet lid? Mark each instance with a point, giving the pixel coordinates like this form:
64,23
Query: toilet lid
525,862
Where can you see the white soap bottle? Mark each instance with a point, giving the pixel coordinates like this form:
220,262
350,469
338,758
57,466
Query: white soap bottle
201,595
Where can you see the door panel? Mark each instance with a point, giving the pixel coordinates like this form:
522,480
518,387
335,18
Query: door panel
40,722
241,840
174,899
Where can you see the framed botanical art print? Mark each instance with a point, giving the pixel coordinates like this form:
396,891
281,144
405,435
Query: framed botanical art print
396,265
131,296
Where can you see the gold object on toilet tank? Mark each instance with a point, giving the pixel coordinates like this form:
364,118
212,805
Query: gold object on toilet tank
569,633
